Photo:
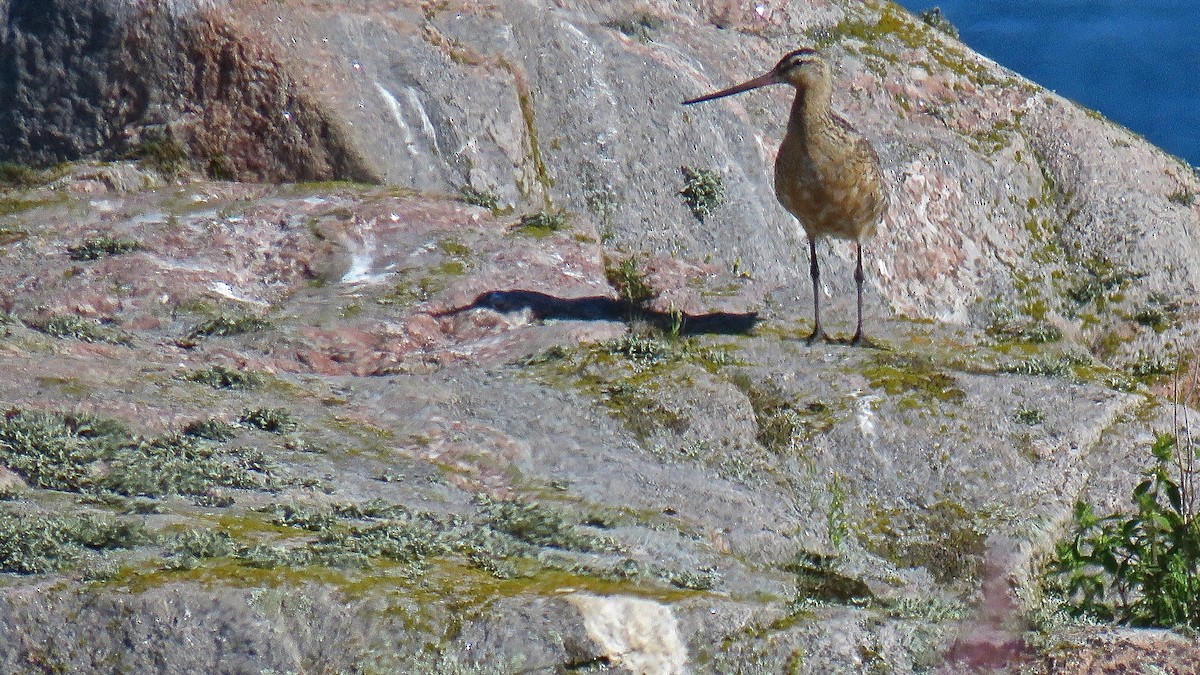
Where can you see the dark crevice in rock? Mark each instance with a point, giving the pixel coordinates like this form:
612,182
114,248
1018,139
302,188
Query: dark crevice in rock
92,82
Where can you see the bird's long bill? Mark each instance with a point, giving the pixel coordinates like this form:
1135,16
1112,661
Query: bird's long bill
760,81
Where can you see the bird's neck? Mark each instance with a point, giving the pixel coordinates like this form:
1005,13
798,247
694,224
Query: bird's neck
810,109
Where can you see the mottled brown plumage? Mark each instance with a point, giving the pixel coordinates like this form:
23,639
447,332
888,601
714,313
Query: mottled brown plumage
826,174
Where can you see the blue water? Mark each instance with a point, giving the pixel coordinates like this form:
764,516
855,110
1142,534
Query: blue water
1135,61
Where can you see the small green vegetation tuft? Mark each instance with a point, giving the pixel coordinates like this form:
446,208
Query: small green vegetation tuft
163,154
1150,366
480,198
818,579
899,374
211,428
1159,314
540,525
98,247
1138,568
186,549
934,18
223,326
703,191
1030,416
77,328
14,175
629,281
314,519
642,351
640,26
220,377
35,544
1043,365
1024,330
79,453
1182,197
275,420
542,223
1101,279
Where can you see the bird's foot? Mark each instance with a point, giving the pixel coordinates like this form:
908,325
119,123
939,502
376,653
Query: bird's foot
817,334
857,340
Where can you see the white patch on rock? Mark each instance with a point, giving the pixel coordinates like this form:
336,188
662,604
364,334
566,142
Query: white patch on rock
362,258
640,635
866,415
226,290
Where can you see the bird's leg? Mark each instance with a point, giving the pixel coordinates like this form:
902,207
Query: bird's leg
858,282
815,272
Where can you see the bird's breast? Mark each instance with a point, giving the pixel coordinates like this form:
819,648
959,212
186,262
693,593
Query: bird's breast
832,184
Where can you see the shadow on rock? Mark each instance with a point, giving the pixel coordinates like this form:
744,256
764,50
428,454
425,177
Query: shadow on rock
600,308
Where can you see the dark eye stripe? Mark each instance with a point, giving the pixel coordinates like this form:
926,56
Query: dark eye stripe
798,58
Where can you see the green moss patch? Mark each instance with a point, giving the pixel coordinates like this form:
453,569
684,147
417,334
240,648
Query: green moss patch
703,191
98,247
944,538
80,453
222,377
625,376
78,328
782,421
46,543
899,374
894,24
504,538
640,26
223,326
542,223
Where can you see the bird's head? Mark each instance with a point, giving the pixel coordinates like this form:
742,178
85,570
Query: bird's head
802,69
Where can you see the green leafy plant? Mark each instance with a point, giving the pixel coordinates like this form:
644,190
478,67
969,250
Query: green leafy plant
629,281
1182,197
77,328
164,154
542,223
487,200
14,175
1140,568
640,26
95,248
221,377
934,18
703,191
275,420
224,326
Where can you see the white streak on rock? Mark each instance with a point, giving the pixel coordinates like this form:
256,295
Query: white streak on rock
410,107
413,98
225,290
410,140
